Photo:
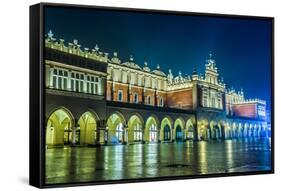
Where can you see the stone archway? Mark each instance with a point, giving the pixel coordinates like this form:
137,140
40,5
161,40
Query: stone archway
166,129
179,130
215,130
246,130
234,130
203,130
151,130
240,131
59,128
135,129
116,131
87,128
190,131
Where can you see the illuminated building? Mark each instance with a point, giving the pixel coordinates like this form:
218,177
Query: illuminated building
95,99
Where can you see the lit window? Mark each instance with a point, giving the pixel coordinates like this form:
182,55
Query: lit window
60,78
161,102
119,132
137,133
120,95
92,84
136,100
148,100
153,133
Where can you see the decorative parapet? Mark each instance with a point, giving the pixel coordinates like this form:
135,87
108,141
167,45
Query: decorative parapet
75,48
256,100
94,54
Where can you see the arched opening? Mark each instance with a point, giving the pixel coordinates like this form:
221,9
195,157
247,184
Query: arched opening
115,129
246,131
223,130
178,133
59,128
215,130
87,128
255,131
178,130
135,129
151,130
167,133
227,131
203,130
166,126
240,131
264,131
189,130
234,131
251,131
259,134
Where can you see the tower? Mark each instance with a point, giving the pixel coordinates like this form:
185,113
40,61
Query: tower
211,72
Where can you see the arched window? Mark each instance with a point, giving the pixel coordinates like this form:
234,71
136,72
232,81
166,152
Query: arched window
136,99
161,102
120,95
149,100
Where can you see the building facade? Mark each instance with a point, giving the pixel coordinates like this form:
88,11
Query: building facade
94,99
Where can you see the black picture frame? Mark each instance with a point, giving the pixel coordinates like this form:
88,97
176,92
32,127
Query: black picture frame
37,96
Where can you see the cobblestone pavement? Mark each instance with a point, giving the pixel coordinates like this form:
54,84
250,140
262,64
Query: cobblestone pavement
83,164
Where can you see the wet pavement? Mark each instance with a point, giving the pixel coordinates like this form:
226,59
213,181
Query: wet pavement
84,164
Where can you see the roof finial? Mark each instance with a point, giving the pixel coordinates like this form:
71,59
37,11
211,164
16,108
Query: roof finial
131,58
210,55
50,34
194,70
158,67
115,54
97,47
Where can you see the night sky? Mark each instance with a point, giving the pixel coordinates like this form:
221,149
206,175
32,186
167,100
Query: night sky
241,47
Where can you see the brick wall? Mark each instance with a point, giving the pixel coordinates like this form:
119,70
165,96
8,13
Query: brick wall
245,110
137,90
180,99
124,88
150,93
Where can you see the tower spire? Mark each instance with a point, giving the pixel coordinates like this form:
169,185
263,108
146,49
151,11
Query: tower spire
211,72
194,73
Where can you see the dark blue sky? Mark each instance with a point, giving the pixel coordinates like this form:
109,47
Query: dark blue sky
241,47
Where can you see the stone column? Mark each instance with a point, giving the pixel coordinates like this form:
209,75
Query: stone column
100,86
100,134
73,135
195,128
68,80
47,76
51,77
125,134
85,83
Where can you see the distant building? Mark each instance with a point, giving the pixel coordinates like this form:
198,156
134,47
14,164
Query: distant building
92,99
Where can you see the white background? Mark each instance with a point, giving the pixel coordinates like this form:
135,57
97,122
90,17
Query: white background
14,64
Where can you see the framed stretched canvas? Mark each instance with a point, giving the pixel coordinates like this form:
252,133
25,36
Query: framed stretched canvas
127,95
